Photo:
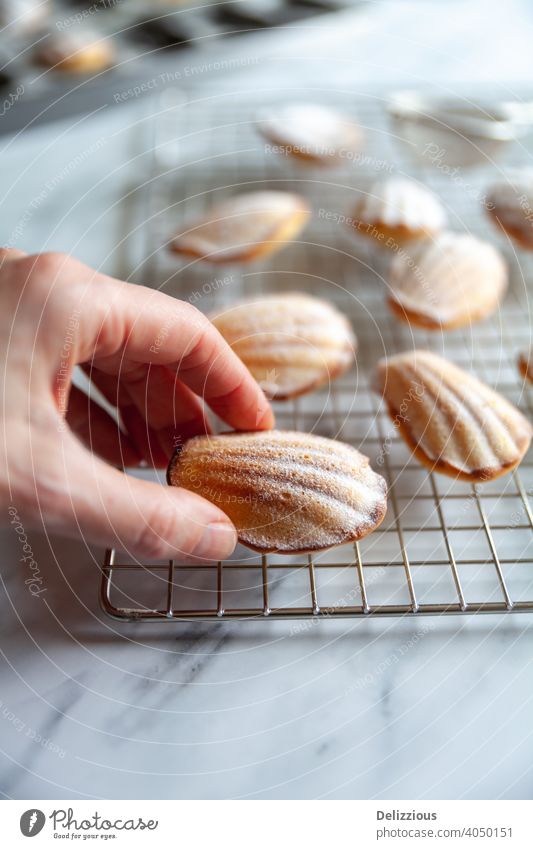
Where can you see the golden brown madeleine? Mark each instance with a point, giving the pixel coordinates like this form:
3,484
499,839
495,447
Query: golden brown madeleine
244,228
291,343
396,210
76,53
525,364
311,133
448,282
451,421
284,491
510,207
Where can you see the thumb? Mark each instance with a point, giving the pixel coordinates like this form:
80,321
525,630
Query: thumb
144,519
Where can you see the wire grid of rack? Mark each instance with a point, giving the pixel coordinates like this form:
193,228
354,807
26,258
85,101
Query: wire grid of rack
445,547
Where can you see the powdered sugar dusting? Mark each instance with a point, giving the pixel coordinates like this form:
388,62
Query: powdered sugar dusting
398,202
285,491
230,230
291,343
457,423
310,130
449,281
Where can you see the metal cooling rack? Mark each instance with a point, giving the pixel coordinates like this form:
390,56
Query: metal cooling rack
446,547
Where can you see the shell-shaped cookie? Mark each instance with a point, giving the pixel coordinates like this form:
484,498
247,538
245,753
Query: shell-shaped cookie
24,18
76,52
510,206
398,209
311,132
447,282
284,491
454,423
291,343
525,364
244,228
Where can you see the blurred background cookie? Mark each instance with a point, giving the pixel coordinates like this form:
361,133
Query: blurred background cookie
510,207
244,228
447,282
311,133
24,18
76,52
398,209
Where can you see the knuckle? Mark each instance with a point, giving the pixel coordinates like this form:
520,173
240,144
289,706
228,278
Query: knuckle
47,264
48,285
202,348
48,270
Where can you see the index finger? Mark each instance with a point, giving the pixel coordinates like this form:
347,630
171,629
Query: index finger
133,324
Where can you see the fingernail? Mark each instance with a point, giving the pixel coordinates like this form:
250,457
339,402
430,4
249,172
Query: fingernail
218,541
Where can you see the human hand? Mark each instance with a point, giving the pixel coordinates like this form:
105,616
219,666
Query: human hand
153,357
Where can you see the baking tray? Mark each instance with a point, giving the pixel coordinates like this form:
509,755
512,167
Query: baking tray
445,547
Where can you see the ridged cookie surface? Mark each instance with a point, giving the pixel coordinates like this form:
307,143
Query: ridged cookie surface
244,228
510,206
454,423
291,343
311,132
398,209
284,491
447,282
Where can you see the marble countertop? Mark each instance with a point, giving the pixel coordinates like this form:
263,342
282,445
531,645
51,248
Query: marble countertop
431,708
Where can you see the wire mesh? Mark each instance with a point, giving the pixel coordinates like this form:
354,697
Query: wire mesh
445,547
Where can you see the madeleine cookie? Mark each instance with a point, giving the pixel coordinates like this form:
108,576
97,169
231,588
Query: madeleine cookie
244,228
397,210
510,207
448,282
23,18
291,343
312,133
452,422
76,53
525,364
284,491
